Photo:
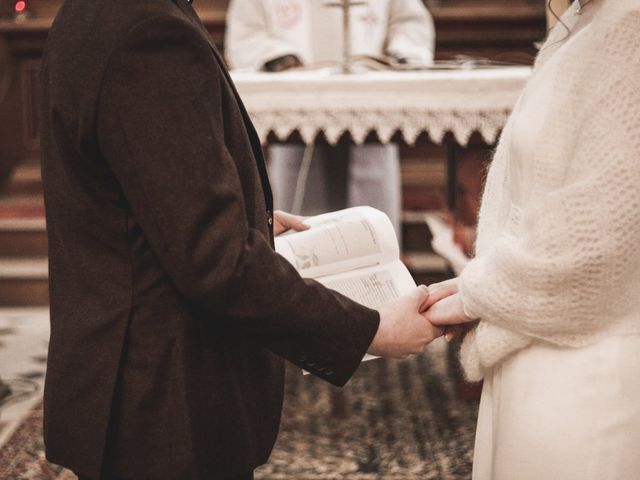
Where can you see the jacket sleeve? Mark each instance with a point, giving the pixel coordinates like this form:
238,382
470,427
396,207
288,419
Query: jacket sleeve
411,33
162,131
249,39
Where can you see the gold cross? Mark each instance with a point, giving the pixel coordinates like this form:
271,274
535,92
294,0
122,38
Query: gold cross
346,29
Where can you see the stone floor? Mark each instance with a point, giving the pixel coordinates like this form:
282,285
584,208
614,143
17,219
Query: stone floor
24,335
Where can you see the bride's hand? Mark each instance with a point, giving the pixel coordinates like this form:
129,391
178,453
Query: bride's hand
283,221
447,310
438,291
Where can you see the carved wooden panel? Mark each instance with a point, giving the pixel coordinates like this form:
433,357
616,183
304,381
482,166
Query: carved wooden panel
30,101
10,124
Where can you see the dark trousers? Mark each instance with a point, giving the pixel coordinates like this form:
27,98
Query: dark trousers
246,476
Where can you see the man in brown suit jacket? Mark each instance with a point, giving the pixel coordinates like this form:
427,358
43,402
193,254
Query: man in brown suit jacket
170,311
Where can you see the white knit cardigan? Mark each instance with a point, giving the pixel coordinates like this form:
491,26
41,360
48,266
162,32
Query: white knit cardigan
564,268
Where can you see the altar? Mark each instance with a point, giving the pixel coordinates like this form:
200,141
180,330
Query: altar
449,105
457,101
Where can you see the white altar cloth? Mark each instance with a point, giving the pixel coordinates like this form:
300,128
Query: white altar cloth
435,101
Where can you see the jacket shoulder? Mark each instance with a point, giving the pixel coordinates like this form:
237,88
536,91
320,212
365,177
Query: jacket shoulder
96,26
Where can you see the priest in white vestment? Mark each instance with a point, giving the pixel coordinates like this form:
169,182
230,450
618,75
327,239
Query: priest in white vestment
274,35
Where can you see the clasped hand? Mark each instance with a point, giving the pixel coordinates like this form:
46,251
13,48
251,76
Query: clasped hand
409,323
445,309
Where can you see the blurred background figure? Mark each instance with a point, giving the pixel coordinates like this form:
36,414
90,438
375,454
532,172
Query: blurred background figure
276,35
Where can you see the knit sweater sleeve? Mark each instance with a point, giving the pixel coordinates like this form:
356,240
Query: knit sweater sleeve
572,268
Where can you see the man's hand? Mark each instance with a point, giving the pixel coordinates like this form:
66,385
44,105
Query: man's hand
283,63
285,221
403,329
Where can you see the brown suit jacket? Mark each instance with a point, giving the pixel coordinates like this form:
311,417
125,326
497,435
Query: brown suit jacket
169,308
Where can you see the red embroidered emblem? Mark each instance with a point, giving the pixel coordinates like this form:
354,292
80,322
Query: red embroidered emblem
288,13
370,18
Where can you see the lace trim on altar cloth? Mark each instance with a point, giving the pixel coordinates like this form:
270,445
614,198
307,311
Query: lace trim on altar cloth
385,124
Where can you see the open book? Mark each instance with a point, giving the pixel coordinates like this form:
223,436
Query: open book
353,251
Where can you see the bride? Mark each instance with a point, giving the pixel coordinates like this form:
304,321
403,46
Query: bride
556,280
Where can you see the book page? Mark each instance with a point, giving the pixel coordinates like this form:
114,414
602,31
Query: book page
373,286
340,241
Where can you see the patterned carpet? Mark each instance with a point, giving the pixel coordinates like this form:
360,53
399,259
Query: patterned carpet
396,420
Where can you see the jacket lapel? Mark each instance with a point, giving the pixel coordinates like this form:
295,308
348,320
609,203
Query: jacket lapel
188,10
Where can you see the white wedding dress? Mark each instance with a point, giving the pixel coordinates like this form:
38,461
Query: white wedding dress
551,413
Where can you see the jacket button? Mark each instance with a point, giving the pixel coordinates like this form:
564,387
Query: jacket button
328,372
270,221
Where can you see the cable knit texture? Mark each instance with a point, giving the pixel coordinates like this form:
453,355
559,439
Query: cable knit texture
564,266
